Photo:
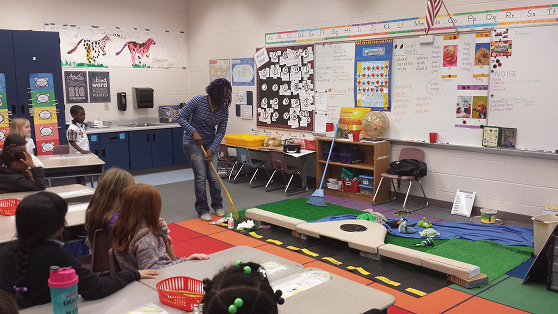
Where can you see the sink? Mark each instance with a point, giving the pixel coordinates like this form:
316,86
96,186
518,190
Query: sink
140,125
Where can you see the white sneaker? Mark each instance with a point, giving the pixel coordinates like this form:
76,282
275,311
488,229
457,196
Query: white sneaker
219,212
206,217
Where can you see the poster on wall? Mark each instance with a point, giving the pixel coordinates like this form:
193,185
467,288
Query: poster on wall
373,73
471,110
76,87
87,46
285,84
243,72
99,87
219,68
3,99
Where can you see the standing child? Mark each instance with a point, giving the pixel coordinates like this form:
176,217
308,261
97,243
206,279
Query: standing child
25,263
18,172
136,237
79,143
22,127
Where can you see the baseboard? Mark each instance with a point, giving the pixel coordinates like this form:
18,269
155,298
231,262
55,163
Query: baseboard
524,219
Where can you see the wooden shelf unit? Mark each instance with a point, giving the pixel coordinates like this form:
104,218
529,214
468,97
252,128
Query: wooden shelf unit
378,152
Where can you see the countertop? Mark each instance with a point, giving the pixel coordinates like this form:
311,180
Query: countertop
115,127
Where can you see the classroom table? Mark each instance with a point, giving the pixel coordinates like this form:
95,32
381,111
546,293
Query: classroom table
71,165
73,192
200,269
133,296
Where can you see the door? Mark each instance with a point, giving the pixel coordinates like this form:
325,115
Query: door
140,150
161,147
94,144
38,52
177,150
7,67
115,155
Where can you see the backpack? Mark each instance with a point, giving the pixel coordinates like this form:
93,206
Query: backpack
407,167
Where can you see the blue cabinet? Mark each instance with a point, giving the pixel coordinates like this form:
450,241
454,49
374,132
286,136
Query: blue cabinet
112,148
150,149
177,151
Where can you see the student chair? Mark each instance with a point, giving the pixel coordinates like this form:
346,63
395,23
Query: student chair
243,159
225,160
278,163
61,149
98,261
114,265
406,153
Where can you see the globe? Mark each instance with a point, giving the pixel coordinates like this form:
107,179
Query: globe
375,124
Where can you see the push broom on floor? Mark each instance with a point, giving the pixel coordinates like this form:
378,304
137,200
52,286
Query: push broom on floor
233,209
317,198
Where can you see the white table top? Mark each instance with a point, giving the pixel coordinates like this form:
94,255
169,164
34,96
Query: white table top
200,269
69,160
133,296
67,192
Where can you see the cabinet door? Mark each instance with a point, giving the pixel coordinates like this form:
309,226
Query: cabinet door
7,67
161,147
38,52
140,150
177,150
115,154
94,144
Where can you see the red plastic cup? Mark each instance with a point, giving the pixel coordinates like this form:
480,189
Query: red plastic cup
329,127
356,136
433,137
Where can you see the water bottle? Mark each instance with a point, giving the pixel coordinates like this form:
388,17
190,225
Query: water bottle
63,283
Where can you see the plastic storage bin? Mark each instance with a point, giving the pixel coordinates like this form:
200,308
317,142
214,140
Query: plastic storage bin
367,180
310,144
337,185
8,206
334,156
366,189
245,140
192,292
543,225
350,186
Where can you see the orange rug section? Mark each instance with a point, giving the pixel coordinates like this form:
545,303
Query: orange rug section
201,226
480,305
235,238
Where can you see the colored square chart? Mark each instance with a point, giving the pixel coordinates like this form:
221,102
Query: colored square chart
4,121
46,132
44,115
46,147
43,98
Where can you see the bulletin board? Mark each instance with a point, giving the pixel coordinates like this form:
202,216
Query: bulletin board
285,87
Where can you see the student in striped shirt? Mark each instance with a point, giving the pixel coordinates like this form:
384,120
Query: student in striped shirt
204,120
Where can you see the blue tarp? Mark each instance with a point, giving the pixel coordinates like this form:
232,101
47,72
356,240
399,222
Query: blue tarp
508,235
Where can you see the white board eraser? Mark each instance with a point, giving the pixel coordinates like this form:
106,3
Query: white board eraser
426,39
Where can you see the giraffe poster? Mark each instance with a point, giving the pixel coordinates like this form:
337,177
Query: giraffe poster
87,46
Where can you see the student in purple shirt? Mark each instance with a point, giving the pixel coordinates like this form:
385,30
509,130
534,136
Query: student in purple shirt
204,120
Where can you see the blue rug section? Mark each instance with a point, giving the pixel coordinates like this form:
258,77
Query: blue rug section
508,235
521,270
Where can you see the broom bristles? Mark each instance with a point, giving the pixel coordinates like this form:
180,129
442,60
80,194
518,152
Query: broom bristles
317,198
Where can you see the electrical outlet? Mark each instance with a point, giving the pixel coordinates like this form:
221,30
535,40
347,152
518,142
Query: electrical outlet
106,106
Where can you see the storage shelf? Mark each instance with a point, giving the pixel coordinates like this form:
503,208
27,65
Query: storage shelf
355,196
362,165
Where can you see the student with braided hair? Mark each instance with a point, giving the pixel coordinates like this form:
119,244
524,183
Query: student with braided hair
240,289
25,263
18,172
204,120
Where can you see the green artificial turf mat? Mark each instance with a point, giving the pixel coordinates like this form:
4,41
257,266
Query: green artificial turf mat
494,259
298,208
406,242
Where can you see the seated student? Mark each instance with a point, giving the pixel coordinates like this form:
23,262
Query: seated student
136,237
105,202
20,141
22,127
25,263
241,288
14,173
7,304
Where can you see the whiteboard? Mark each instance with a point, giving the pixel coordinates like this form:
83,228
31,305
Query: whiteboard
334,72
524,85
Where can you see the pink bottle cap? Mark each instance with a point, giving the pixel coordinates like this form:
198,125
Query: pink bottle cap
62,277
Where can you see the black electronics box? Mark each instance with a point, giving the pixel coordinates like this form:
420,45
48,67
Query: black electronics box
291,148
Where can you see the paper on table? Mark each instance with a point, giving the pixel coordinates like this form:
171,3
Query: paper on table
78,192
150,308
76,207
320,100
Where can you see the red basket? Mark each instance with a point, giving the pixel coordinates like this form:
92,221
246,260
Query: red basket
350,186
167,290
8,206
310,144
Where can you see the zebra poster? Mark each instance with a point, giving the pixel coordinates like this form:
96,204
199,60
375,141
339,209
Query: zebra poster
87,46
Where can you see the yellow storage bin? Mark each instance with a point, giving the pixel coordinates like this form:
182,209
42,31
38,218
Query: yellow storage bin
244,139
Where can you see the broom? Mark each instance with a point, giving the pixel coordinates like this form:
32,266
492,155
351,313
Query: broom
317,198
233,209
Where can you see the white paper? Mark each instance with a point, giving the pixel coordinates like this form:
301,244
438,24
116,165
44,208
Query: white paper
320,100
75,193
246,112
241,98
463,203
261,57
320,120
80,206
285,74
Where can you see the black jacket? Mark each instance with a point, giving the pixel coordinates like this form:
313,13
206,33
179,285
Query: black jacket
90,286
11,181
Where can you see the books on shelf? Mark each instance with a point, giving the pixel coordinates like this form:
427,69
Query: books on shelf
495,136
507,138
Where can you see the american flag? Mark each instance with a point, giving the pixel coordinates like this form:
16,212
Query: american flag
432,9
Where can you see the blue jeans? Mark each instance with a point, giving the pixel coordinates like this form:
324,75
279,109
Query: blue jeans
202,172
